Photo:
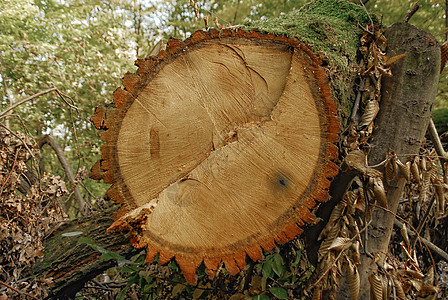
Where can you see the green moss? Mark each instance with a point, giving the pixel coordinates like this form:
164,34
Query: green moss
330,28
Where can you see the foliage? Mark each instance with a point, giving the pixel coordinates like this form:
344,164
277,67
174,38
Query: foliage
282,274
26,217
81,48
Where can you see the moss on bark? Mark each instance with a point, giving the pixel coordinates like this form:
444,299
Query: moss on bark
330,28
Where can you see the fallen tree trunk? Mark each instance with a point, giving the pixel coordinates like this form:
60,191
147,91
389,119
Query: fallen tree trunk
68,265
219,146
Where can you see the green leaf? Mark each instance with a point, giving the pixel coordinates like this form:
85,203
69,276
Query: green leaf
173,266
264,281
261,297
123,293
279,293
277,264
267,268
134,278
197,293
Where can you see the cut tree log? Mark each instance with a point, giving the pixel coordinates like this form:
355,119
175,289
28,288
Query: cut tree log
219,147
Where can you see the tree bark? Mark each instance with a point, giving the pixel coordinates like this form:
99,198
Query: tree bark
70,265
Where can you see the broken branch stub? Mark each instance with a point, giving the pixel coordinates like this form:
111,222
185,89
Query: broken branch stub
218,147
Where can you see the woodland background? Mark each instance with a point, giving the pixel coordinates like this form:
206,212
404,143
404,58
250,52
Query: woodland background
77,52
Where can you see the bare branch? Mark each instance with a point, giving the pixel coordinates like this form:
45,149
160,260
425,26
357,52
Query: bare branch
411,12
84,207
430,245
27,99
432,130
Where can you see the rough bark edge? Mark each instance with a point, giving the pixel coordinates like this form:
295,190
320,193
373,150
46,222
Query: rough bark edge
109,119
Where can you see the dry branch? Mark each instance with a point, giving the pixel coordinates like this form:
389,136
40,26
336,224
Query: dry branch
26,100
411,12
84,207
430,245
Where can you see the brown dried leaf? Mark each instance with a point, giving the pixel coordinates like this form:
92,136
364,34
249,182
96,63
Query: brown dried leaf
404,234
357,160
399,289
391,167
415,170
340,243
429,277
356,255
405,169
379,192
206,18
324,247
426,179
353,280
440,192
376,286
196,11
423,166
215,20
444,55
394,59
370,112
414,274
317,293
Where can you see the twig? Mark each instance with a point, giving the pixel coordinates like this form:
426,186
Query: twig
27,99
425,218
367,12
414,231
411,12
5,86
63,96
430,245
432,130
17,291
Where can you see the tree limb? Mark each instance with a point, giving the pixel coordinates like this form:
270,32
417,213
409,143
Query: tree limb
84,207
27,99
411,12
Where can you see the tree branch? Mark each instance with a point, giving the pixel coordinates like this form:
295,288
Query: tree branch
84,207
411,12
27,99
430,245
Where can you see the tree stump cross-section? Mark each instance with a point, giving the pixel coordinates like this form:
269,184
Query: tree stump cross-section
219,147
